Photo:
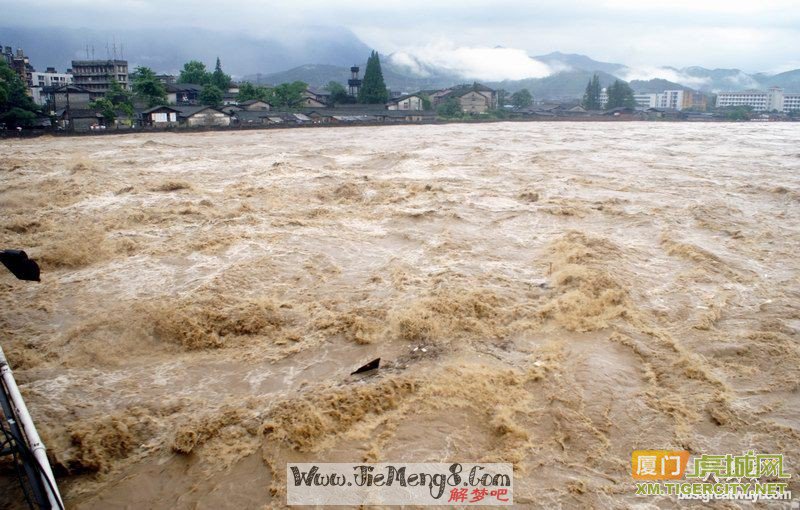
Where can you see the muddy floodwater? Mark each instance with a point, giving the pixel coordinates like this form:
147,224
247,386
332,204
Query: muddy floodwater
553,295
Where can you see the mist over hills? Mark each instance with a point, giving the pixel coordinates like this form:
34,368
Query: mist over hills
167,50
320,54
570,74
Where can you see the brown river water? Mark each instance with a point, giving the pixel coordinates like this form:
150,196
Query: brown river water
554,295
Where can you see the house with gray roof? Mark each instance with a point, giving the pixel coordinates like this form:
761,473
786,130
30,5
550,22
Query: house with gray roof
202,116
475,98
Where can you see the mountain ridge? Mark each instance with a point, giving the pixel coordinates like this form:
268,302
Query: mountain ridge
278,58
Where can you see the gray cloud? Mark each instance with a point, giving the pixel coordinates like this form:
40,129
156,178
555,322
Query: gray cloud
755,36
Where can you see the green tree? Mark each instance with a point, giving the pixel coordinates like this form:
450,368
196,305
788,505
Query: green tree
522,98
426,102
743,112
105,107
620,94
501,97
451,108
373,88
219,78
16,107
120,98
248,91
339,94
17,117
591,98
148,88
288,95
194,71
118,95
211,95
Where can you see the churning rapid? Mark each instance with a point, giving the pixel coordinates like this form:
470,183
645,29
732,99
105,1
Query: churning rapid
553,295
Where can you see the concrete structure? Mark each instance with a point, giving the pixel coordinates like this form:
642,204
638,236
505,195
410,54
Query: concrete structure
603,97
412,102
354,83
695,101
756,99
672,99
97,75
791,103
20,63
645,100
50,79
773,99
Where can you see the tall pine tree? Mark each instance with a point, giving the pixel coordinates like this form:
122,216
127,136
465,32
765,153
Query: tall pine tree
373,88
620,94
591,98
219,79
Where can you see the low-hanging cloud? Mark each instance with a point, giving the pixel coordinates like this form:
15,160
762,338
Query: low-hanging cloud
741,80
470,62
664,73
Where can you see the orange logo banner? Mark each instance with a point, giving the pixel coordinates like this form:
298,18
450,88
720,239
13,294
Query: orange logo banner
659,464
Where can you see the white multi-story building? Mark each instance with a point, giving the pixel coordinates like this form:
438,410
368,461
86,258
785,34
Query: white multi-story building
773,99
646,100
671,99
791,103
47,79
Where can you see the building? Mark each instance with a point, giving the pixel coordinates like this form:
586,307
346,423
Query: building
167,79
313,98
668,100
436,95
185,94
773,99
230,98
78,119
671,99
160,116
663,113
97,75
413,102
791,103
695,101
755,99
646,100
253,105
43,82
251,117
20,63
475,98
202,116
69,97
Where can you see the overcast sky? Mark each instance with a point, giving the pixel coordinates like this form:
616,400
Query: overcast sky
754,35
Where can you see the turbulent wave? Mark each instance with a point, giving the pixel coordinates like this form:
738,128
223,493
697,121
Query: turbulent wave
553,296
